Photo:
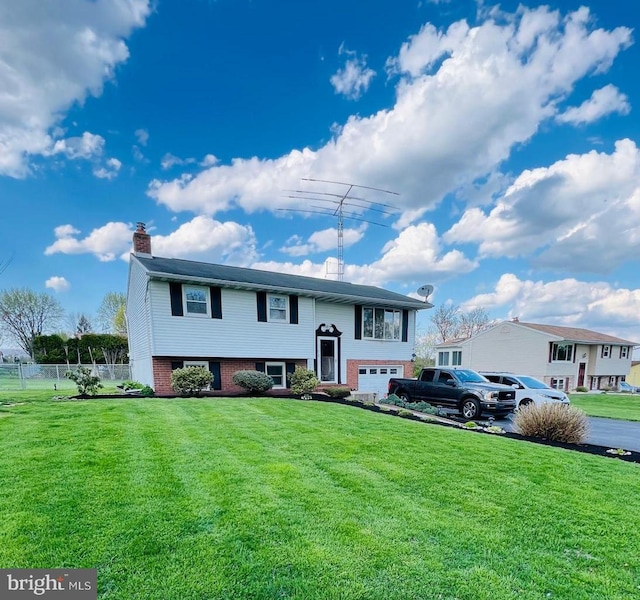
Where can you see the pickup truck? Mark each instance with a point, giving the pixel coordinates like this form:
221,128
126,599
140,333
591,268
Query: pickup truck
467,391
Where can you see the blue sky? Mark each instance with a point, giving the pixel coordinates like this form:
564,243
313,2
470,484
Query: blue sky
509,135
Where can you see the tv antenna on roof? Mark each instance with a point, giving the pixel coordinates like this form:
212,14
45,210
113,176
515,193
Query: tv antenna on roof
340,200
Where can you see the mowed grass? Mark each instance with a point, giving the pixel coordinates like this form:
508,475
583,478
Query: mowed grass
262,498
610,405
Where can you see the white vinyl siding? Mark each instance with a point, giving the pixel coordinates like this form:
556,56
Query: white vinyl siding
237,335
139,325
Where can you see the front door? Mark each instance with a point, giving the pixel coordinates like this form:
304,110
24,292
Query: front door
581,369
328,364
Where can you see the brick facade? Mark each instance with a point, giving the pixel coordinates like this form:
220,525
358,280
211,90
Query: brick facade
162,370
353,364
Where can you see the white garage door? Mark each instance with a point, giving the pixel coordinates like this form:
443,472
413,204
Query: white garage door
375,378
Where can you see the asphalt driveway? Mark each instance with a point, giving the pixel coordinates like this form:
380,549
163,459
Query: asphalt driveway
602,432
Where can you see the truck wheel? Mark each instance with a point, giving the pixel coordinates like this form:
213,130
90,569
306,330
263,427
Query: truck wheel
404,397
470,409
525,402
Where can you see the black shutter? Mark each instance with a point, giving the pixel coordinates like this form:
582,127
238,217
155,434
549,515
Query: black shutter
214,367
178,364
261,299
290,367
216,302
550,351
405,325
175,289
260,366
358,322
293,310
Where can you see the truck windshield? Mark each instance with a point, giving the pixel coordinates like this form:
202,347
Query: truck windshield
470,376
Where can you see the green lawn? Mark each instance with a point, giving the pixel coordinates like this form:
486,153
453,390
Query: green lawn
611,405
191,499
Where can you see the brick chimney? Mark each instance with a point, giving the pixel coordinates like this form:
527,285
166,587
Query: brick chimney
141,240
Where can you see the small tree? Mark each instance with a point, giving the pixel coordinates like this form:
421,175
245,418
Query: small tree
87,382
191,380
255,382
303,381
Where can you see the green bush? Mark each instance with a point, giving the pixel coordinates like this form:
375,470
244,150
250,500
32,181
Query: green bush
87,382
255,382
581,388
303,381
190,380
423,407
554,422
337,392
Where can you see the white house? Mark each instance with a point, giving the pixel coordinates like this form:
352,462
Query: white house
182,313
563,357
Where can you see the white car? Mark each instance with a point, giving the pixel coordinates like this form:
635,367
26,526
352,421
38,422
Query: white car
529,390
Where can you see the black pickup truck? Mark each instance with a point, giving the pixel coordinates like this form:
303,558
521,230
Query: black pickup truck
467,391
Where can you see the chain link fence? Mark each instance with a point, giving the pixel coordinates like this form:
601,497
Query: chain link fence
52,377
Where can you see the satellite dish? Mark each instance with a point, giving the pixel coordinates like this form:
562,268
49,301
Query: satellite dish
425,290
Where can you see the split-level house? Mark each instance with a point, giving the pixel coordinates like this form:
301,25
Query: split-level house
563,357
182,313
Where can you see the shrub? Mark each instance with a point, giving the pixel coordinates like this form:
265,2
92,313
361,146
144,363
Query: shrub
393,400
87,382
403,412
255,382
147,391
338,392
190,380
423,407
303,381
554,422
581,388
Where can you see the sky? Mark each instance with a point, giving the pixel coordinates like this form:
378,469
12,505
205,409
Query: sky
506,139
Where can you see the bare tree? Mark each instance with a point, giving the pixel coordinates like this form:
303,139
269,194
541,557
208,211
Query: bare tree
446,320
472,322
25,314
111,313
78,324
425,344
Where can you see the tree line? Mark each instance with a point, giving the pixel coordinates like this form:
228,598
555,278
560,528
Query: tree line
27,316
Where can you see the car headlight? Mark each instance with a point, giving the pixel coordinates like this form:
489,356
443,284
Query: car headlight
490,396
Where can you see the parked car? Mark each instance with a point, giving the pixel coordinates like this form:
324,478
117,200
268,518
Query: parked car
623,386
529,390
465,390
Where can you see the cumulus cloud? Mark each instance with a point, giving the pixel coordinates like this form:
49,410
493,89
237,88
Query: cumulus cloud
603,102
57,284
87,146
169,160
464,98
593,305
105,242
110,170
558,212
88,38
321,241
354,78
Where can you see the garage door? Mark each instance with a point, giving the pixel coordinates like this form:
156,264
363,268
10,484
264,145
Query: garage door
375,378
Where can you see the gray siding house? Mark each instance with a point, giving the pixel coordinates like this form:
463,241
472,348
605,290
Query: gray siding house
563,357
182,313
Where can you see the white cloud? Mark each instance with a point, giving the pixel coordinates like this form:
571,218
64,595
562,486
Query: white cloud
569,302
604,101
87,146
208,161
560,210
105,242
206,239
321,241
354,78
142,135
169,160
88,38
57,284
109,171
491,88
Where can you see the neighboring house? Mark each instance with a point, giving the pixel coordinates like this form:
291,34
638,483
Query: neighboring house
633,378
182,313
562,357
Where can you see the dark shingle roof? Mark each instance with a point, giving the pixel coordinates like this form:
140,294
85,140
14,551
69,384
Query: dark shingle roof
577,334
255,279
